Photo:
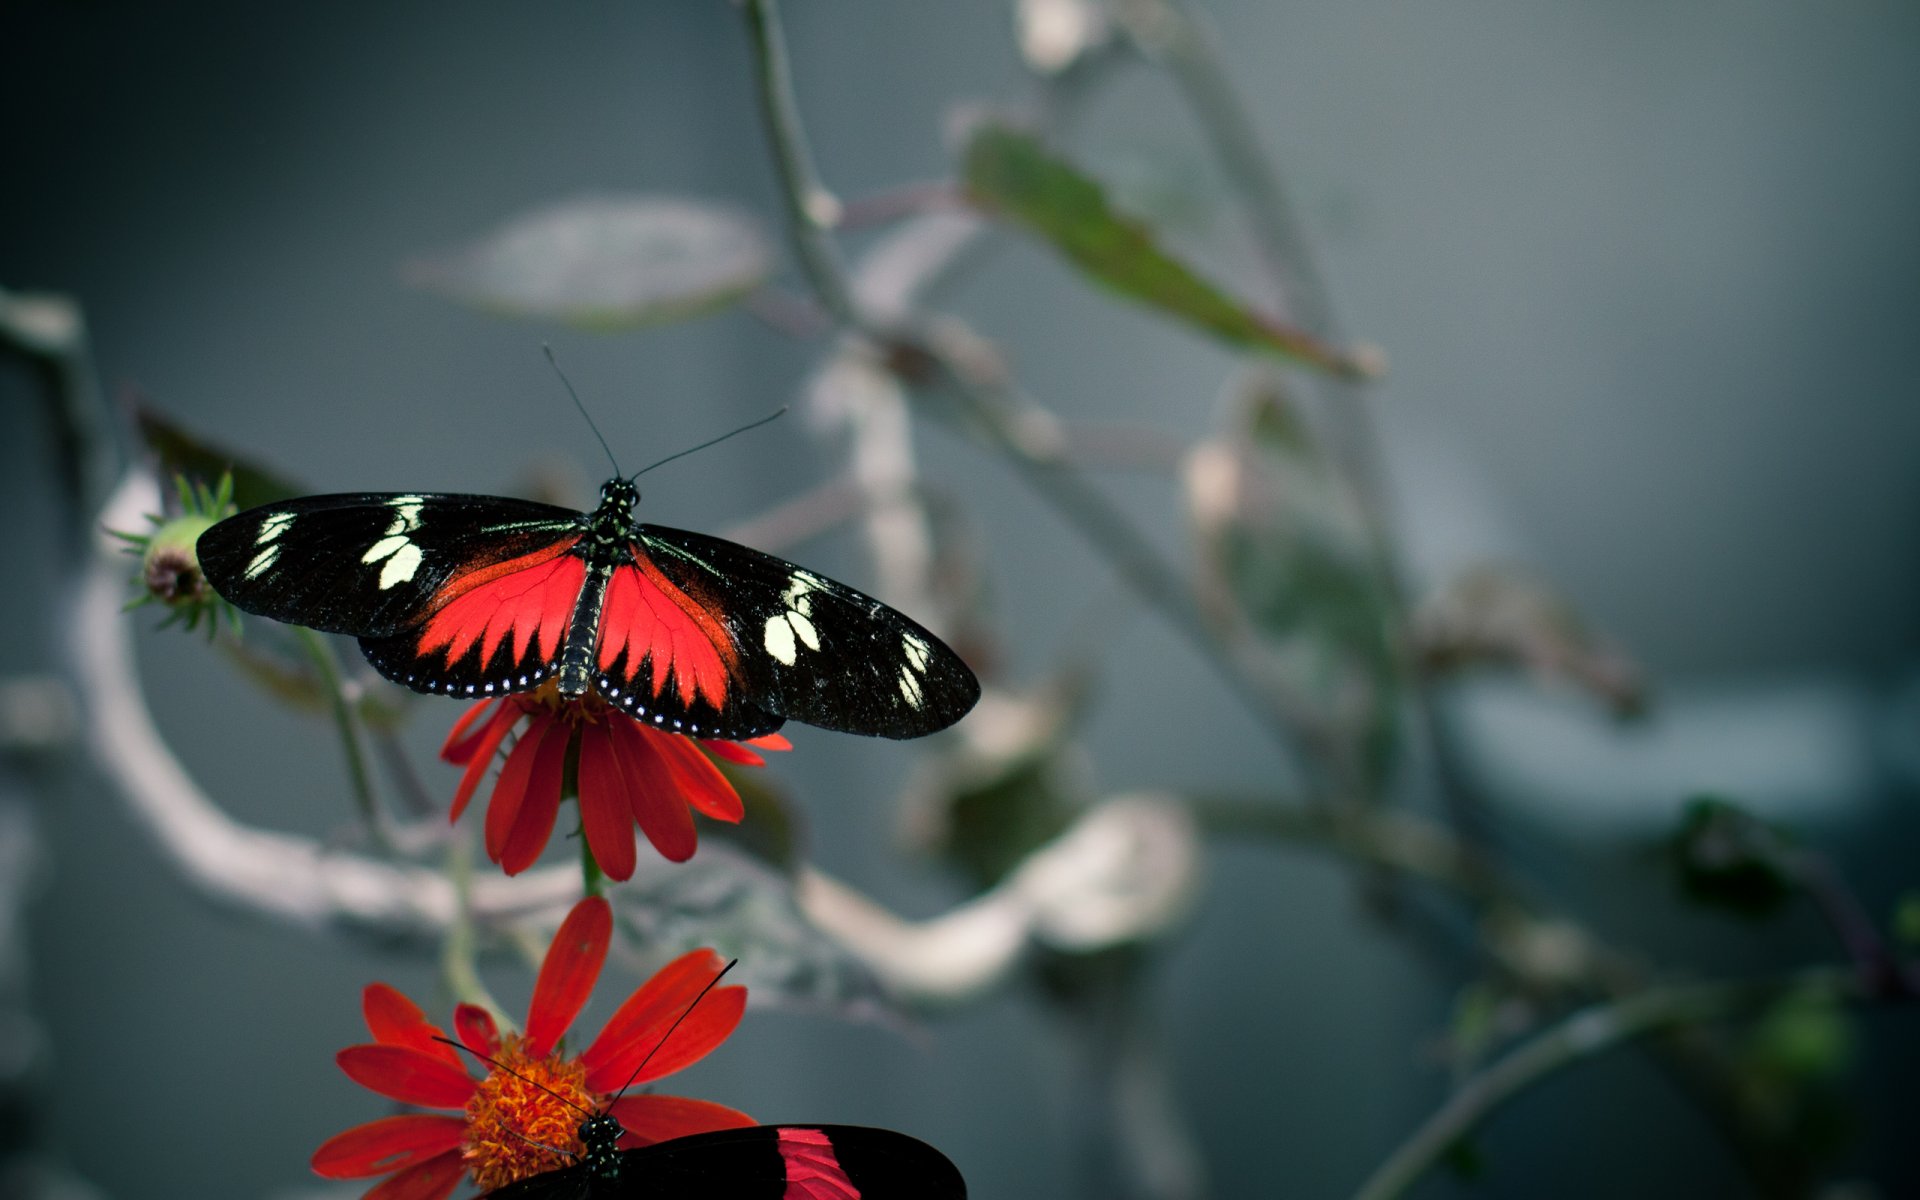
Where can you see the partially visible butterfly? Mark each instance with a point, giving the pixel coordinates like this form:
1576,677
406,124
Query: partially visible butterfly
480,595
762,1162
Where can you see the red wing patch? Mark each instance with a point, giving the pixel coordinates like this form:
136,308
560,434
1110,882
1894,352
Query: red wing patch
813,1170
650,619
529,598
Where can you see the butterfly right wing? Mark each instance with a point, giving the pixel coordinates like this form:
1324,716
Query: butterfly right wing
774,1162
454,594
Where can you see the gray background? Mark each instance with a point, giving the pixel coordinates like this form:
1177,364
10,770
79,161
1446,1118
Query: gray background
1647,274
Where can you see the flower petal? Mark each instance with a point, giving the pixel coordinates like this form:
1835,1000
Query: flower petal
482,757
458,747
771,741
510,789
540,805
389,1144
650,1119
606,818
637,1027
700,782
407,1075
566,976
433,1179
654,794
395,1020
733,752
477,1031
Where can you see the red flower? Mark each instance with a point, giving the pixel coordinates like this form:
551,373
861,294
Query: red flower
628,773
510,1128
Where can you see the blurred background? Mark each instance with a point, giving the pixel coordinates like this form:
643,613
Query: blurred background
1646,278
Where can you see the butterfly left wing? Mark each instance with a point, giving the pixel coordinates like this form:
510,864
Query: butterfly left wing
795,644
762,1162
447,593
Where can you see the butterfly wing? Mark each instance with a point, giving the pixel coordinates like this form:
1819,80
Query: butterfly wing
800,646
447,593
763,1162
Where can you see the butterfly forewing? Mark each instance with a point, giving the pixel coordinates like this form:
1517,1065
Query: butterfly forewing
369,565
810,649
765,1162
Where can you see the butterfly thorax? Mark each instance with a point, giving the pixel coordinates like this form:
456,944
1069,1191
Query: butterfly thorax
600,1140
606,546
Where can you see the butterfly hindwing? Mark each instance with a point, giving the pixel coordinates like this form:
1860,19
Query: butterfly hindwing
807,648
368,565
763,1162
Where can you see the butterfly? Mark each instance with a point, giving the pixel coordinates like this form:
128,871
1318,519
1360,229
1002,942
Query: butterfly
761,1162
478,596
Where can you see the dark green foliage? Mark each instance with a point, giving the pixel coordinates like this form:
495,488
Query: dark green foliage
1731,860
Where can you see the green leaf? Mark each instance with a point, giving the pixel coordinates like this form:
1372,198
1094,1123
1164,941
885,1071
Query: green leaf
1009,173
745,909
1731,860
1906,919
607,262
187,455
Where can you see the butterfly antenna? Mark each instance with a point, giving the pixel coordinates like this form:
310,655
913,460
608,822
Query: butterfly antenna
774,415
497,1065
555,364
664,1038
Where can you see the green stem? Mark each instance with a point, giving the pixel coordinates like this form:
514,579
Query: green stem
1583,1035
321,655
459,956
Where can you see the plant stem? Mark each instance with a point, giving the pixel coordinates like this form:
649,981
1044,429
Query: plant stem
321,655
811,209
1583,1035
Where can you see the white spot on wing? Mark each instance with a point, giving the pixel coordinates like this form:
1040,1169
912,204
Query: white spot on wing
778,640
384,547
400,568
271,528
262,561
917,652
910,688
804,628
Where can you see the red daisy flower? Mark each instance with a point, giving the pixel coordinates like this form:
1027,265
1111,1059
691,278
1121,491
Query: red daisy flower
509,1127
628,773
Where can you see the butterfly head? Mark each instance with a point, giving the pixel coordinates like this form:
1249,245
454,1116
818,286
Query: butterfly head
600,1137
620,494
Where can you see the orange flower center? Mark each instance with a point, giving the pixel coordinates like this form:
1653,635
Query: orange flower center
515,1128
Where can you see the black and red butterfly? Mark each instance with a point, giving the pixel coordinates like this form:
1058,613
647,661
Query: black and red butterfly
477,596
761,1162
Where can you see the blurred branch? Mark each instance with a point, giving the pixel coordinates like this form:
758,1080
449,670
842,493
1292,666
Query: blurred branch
1583,1035
51,330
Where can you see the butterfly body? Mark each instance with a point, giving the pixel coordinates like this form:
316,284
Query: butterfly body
477,596
761,1162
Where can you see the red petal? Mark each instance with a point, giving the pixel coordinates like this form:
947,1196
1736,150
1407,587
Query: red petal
655,796
458,747
407,1075
640,1024
541,804
389,1144
605,815
433,1179
510,790
771,741
733,752
477,1031
482,757
650,1119
700,782
395,1020
566,977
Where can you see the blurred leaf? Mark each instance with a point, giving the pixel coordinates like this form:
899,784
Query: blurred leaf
1009,783
182,453
1009,173
1489,615
608,262
745,909
1731,860
1465,1159
1804,1036
1286,576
